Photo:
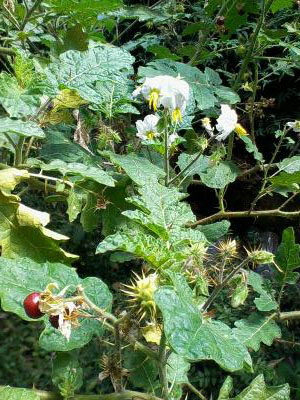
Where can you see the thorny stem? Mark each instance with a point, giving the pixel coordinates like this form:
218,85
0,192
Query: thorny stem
125,395
244,66
245,214
204,37
251,114
51,178
266,171
162,366
194,390
218,289
166,155
29,13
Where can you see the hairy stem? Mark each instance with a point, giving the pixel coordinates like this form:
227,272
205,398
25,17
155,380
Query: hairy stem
19,152
162,366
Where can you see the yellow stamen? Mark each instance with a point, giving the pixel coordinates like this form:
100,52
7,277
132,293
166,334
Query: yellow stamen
150,135
240,130
205,121
176,115
154,95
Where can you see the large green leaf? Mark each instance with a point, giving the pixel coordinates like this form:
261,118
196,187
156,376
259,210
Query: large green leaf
220,175
194,338
18,102
286,181
257,390
288,258
22,128
290,165
23,233
20,277
214,231
257,329
266,301
11,177
139,169
161,210
10,393
81,70
142,370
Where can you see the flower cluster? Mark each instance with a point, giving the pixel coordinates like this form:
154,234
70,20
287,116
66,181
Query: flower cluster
226,123
162,91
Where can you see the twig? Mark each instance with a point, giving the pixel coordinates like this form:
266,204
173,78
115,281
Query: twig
162,366
194,390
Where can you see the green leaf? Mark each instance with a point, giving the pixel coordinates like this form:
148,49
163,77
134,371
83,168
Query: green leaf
194,338
196,168
286,180
10,393
143,13
215,231
67,373
161,209
18,102
143,371
257,390
220,175
252,148
139,169
95,174
257,329
226,389
22,128
20,277
287,258
279,5
23,233
177,369
81,70
265,302
290,165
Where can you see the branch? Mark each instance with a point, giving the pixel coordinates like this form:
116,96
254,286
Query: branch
5,50
245,214
125,395
289,315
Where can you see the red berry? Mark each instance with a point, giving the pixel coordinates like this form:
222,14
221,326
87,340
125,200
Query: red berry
53,319
31,305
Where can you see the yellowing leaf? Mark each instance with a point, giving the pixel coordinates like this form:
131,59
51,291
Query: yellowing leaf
152,333
68,98
11,177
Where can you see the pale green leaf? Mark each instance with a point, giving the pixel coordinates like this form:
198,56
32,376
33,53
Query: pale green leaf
139,169
252,148
23,233
177,369
226,389
257,390
10,393
257,329
290,165
22,128
220,175
11,177
215,231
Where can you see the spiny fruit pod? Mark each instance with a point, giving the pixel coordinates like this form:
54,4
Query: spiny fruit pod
31,305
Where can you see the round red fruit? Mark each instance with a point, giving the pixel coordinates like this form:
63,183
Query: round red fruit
31,305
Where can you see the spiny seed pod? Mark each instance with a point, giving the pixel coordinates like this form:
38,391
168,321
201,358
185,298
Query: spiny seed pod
261,256
141,292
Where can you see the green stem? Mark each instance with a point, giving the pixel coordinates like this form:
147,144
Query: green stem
9,52
162,366
19,151
251,114
218,289
29,13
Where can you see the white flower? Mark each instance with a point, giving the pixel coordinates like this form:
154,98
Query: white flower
67,318
207,126
227,123
172,138
294,125
167,91
147,129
